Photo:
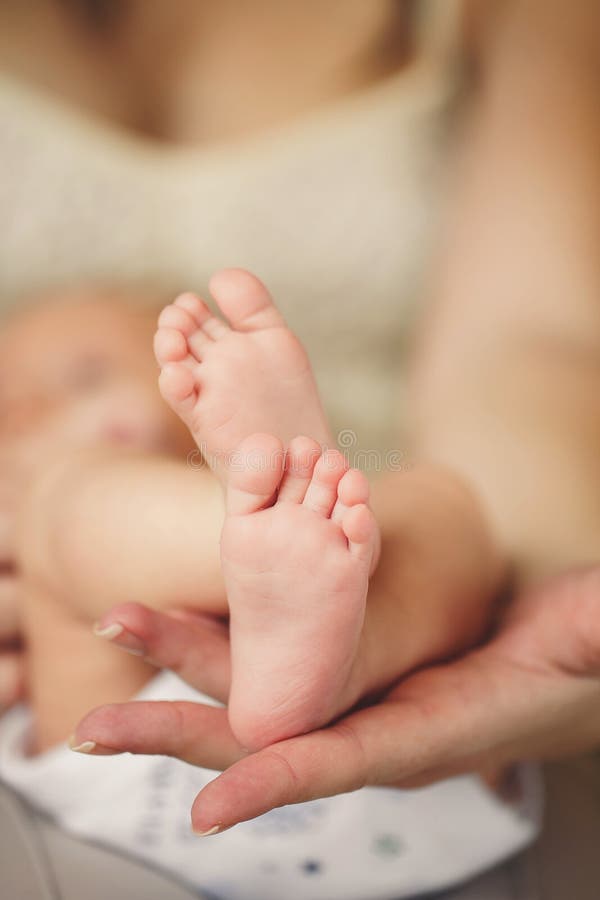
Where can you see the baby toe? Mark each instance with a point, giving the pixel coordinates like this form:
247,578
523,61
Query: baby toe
353,488
255,470
178,387
300,461
321,493
361,531
170,346
244,300
194,306
174,317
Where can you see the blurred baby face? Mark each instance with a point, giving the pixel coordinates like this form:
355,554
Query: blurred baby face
80,372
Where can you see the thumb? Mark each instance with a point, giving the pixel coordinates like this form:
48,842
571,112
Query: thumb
405,740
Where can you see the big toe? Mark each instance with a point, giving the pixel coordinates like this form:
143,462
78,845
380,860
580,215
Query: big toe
255,470
244,300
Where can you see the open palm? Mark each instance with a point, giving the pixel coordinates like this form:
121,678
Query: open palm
531,692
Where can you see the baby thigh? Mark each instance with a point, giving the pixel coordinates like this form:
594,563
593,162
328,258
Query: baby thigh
103,529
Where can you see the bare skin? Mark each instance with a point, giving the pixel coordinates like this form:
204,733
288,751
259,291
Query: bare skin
180,74
77,376
428,599
575,134
75,372
223,376
506,382
532,692
296,572
97,550
507,392
229,377
11,660
84,545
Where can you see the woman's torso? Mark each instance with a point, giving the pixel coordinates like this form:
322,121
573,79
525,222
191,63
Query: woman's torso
336,211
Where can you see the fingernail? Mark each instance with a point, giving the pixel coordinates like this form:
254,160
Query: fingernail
117,634
84,747
91,747
110,632
214,830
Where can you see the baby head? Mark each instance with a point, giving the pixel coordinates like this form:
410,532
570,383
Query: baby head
77,370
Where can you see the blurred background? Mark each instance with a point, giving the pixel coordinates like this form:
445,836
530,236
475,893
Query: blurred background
145,144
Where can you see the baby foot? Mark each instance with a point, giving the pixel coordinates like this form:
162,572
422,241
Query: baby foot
297,548
231,377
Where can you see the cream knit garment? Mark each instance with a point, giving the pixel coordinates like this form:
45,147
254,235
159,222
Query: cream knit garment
336,211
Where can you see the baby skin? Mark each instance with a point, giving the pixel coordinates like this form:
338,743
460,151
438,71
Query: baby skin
299,541
108,528
297,548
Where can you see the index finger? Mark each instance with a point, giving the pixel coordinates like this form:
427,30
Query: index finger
196,648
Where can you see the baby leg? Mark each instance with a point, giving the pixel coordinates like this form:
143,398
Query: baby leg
99,529
68,669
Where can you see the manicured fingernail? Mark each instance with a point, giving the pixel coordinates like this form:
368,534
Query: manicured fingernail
109,632
91,747
117,634
83,747
214,830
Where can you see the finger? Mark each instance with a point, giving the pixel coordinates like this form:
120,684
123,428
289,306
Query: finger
196,733
197,649
9,608
12,678
319,764
417,736
504,781
568,621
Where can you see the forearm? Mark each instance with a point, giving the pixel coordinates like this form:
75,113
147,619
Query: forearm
507,383
433,592
534,462
101,529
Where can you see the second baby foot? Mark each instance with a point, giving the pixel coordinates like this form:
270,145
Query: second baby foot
297,548
233,376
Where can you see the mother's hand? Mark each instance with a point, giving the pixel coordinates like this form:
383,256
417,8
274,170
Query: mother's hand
11,660
532,692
